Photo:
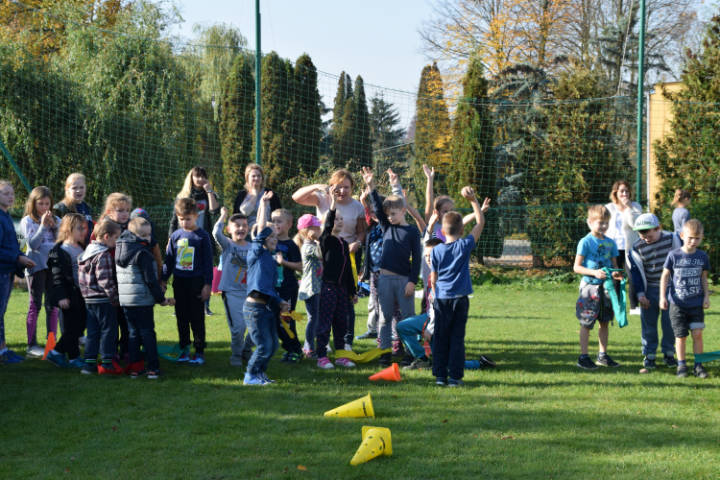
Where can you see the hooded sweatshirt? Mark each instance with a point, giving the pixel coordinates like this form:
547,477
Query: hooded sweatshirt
137,279
95,275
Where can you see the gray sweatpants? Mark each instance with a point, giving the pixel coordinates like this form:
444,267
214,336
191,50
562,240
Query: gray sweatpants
391,292
234,302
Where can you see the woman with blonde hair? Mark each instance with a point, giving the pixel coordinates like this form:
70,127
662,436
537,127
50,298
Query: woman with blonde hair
74,201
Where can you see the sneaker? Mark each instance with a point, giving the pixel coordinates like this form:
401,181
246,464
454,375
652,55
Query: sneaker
309,353
682,371
58,359
397,348
77,363
251,379
208,312
385,359
265,379
606,361
453,383
325,363
348,347
184,357
11,357
367,335
293,357
699,371
670,361
407,360
110,369
487,362
34,351
344,362
89,369
197,359
584,362
441,381
137,374
418,364
284,357
153,374
135,368
649,363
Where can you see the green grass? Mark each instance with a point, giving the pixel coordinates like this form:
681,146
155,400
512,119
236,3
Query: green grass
535,416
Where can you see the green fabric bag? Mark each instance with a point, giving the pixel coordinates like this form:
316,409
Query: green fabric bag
618,304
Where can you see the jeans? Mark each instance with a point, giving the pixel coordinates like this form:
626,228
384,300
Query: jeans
312,308
449,339
649,326
141,329
409,330
391,293
234,303
102,332
6,284
261,323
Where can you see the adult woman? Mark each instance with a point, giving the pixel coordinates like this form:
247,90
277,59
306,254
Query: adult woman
248,199
623,212
351,211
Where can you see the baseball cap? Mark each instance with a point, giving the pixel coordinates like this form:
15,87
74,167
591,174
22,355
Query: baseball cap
308,220
646,221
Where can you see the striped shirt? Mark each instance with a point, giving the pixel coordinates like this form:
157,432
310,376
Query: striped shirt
647,259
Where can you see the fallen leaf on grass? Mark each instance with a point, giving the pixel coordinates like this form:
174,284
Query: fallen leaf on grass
507,437
302,468
445,420
675,426
114,428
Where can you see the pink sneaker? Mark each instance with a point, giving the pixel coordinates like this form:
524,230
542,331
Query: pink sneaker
325,363
344,362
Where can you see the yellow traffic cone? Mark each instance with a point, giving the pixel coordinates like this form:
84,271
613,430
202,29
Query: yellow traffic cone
362,407
376,442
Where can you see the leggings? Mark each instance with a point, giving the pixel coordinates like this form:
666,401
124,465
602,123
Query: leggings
38,284
335,308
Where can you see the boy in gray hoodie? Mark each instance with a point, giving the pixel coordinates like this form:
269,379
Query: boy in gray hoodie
99,289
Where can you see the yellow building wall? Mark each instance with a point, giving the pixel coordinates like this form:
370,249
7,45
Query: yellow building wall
660,115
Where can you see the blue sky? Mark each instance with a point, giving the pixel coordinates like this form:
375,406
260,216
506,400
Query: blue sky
377,39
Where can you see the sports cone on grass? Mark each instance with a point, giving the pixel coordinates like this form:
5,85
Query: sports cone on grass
362,407
49,345
390,374
376,441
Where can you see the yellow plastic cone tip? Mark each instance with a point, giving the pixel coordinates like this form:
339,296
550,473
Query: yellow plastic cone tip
360,408
376,441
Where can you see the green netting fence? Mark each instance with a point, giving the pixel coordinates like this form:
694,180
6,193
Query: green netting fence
135,111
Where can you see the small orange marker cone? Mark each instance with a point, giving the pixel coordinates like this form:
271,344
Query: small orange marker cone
49,345
390,374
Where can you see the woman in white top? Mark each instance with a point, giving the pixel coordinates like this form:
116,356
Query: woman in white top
623,212
352,213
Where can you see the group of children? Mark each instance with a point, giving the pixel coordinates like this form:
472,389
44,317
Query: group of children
670,279
107,276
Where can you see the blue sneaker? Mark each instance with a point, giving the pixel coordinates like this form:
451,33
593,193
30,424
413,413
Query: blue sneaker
251,379
11,357
197,359
266,379
58,359
77,362
184,357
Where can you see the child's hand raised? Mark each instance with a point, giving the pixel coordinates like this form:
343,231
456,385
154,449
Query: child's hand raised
468,193
429,172
223,213
393,177
331,192
368,177
486,205
267,196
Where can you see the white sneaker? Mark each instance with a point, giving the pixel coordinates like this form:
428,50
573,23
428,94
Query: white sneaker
635,311
348,347
35,351
82,340
345,362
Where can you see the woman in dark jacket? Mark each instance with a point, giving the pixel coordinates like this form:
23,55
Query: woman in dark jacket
248,199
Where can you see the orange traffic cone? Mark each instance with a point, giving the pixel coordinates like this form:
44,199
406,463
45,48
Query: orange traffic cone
391,374
376,441
49,345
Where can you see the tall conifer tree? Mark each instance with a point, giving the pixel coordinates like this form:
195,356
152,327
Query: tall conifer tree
305,127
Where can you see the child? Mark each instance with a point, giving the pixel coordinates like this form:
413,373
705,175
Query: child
422,325
680,214
233,283
450,280
154,245
39,227
338,288
74,201
646,260
139,290
65,291
289,261
10,260
686,272
263,303
99,289
311,282
399,262
198,187
189,260
595,251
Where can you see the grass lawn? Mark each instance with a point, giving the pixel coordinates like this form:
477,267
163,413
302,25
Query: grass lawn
535,416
